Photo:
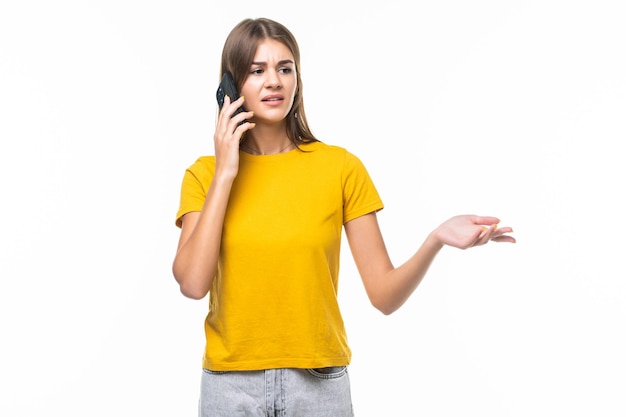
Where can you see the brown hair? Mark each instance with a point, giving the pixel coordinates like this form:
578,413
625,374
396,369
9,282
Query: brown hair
238,55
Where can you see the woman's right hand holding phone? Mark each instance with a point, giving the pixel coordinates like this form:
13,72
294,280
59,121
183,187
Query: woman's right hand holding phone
197,256
228,134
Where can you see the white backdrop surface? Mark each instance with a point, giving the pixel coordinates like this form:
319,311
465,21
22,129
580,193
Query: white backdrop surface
506,108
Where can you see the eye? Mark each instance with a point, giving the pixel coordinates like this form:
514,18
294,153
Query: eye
285,70
256,71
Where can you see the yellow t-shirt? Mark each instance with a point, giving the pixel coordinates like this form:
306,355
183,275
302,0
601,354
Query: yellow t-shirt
273,302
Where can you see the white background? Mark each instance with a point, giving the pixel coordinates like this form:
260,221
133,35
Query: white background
507,108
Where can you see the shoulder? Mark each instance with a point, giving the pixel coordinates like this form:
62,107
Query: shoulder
328,151
203,163
203,166
199,174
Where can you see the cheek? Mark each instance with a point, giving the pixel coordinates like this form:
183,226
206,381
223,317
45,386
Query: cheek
246,90
249,94
294,89
292,99
251,86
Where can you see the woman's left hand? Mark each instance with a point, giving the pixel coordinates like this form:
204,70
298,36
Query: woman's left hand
466,231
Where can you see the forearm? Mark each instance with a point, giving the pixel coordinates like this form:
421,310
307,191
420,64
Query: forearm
397,284
195,263
388,287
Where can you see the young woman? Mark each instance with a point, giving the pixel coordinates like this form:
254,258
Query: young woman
261,224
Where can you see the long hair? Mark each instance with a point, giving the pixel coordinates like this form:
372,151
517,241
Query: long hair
238,55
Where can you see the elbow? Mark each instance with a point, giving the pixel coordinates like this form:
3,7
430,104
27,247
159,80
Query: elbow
386,310
384,306
193,292
196,289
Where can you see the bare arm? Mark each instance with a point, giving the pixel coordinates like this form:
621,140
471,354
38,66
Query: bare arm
195,263
389,287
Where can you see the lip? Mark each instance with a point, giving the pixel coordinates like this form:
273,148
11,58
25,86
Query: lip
273,99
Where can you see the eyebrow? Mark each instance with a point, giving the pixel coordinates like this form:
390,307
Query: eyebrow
283,62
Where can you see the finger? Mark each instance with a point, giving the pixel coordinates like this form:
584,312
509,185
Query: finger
485,235
486,220
242,117
502,230
234,106
244,127
227,102
482,237
223,116
504,238
229,107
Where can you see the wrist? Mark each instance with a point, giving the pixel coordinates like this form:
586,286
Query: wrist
433,241
224,177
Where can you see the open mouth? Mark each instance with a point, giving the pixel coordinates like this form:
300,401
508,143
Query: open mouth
272,99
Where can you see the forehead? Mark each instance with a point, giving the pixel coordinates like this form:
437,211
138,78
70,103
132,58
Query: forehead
271,50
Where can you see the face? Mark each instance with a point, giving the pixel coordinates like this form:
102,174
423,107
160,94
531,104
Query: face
271,84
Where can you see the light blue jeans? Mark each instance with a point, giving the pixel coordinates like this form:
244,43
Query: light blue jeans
286,392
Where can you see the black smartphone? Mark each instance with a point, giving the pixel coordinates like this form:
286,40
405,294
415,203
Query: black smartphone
228,88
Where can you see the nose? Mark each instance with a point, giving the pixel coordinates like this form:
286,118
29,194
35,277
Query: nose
272,80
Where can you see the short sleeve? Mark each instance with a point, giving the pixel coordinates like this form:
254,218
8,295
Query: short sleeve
195,185
360,196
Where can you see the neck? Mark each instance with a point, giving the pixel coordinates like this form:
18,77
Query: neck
267,139
254,149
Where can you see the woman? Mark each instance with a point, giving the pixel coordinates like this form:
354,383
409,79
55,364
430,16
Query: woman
261,225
